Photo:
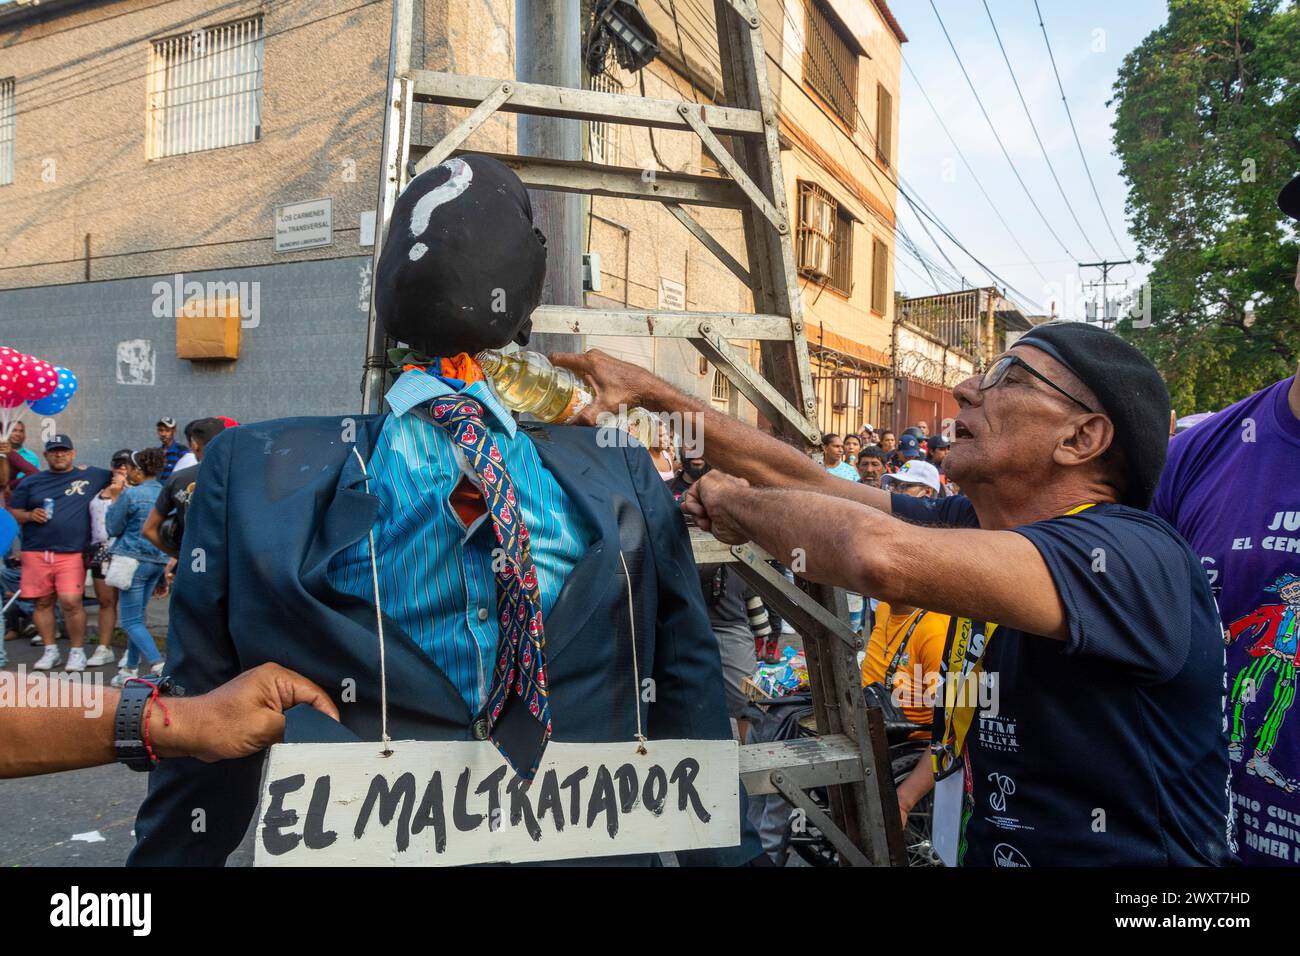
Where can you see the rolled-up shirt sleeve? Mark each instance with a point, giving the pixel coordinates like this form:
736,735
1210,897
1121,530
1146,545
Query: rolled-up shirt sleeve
954,511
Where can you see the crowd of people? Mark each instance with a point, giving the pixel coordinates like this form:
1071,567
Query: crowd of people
119,525
878,458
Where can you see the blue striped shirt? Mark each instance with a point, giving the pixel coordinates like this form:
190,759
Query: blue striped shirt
435,576
172,454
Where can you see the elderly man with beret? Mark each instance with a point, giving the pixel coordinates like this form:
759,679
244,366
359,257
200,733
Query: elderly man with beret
1085,623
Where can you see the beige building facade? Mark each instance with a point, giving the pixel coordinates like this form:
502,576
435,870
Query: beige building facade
145,146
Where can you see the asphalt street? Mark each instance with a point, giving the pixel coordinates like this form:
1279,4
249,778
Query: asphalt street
83,817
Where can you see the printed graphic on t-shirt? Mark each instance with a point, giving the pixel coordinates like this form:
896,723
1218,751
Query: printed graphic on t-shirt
1262,694
998,733
1001,801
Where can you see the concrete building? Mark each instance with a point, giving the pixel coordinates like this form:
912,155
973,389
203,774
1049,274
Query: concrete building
152,154
834,66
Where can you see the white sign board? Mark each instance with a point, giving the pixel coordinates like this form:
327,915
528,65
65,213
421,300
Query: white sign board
457,803
672,295
304,225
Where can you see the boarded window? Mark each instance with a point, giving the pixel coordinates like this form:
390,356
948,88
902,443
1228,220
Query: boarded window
879,276
884,125
7,113
205,89
830,63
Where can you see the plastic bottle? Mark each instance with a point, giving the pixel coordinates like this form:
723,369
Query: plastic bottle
528,382
48,507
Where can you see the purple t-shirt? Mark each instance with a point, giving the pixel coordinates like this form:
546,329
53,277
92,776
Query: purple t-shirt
1232,489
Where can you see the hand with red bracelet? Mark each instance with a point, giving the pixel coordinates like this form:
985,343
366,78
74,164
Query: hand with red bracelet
241,717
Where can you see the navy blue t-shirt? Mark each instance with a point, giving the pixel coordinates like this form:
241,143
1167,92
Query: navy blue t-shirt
1108,748
69,529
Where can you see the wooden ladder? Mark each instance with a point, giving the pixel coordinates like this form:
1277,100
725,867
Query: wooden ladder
850,756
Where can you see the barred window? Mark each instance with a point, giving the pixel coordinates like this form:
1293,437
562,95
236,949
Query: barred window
830,63
721,386
604,136
7,113
205,89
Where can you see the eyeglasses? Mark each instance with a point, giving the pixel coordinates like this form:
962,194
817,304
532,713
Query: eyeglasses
998,371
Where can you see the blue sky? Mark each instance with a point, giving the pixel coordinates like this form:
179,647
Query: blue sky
1089,42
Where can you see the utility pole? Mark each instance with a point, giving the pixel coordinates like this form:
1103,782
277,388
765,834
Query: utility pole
548,50
1103,315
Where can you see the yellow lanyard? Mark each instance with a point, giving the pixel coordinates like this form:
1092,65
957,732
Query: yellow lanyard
959,678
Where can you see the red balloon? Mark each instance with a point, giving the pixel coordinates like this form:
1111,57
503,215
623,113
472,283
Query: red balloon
10,361
8,397
36,379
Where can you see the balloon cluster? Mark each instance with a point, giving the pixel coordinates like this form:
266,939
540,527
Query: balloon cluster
46,388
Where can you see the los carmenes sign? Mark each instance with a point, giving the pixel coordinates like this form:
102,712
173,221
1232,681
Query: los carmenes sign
457,803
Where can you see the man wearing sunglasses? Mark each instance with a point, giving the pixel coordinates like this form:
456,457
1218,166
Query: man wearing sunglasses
1089,618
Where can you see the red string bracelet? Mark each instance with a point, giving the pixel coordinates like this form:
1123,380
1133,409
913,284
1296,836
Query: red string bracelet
167,719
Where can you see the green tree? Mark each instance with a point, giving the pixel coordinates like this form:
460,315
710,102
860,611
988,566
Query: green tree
1207,128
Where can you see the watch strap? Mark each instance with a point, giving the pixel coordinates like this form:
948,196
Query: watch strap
128,726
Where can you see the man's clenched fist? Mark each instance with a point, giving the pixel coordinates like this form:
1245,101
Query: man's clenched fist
713,501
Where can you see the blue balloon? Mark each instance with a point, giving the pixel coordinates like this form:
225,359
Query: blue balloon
58,399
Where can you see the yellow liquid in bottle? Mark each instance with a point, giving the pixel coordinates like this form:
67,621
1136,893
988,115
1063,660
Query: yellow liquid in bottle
528,382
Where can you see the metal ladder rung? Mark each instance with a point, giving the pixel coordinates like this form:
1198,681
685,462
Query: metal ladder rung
709,550
806,761
626,182
445,89
648,322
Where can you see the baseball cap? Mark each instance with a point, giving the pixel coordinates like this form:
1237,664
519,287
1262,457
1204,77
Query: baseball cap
167,422
913,473
58,441
937,441
909,446
121,457
1289,199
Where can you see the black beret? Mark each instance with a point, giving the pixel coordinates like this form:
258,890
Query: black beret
1131,392
1289,199
462,265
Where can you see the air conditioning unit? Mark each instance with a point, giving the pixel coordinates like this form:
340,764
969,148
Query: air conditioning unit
817,252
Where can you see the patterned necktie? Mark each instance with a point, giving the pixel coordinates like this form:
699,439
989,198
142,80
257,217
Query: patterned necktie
519,713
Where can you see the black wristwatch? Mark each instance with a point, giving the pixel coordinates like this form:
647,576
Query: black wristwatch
128,722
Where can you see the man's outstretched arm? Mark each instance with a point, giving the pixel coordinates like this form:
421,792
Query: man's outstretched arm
725,443
239,718
984,575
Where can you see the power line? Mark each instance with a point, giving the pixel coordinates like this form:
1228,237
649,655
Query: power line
1043,149
1074,129
992,205
905,242
926,230
993,129
871,165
